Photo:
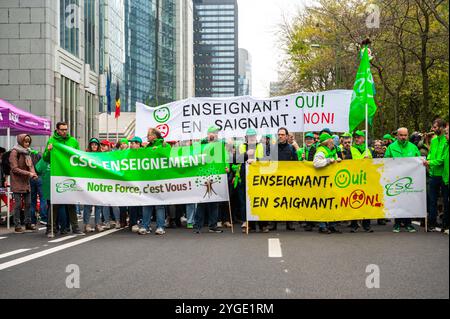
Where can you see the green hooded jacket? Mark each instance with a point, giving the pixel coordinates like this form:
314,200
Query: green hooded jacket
436,155
43,169
445,171
398,149
58,139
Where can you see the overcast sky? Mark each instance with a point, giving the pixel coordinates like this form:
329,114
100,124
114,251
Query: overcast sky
259,22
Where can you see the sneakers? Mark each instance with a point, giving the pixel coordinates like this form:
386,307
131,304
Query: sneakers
354,229
446,231
324,230
99,228
107,225
19,230
190,226
31,227
368,230
215,230
88,228
227,224
219,224
196,231
118,226
160,231
244,225
265,229
42,222
135,228
144,231
76,231
308,227
334,230
396,229
51,235
410,229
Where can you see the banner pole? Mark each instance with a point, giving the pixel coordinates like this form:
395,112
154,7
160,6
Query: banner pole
231,217
426,224
51,218
7,181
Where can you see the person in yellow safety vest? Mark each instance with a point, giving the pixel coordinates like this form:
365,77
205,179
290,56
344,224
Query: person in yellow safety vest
325,155
252,151
360,151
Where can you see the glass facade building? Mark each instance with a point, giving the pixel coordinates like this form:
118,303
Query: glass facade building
69,26
150,63
112,48
216,48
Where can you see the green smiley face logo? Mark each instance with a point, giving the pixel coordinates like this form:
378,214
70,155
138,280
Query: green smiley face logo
342,178
161,115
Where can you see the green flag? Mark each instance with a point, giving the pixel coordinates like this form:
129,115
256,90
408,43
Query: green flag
363,92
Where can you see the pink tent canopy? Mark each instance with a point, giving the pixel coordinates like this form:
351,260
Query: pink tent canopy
19,121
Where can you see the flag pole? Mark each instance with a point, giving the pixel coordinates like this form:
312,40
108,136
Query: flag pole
107,128
117,129
367,132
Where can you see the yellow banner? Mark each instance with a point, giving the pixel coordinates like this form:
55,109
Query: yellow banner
296,191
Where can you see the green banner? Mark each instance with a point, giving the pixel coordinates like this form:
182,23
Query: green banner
143,176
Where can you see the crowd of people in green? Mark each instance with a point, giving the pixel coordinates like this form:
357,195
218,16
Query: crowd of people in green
30,180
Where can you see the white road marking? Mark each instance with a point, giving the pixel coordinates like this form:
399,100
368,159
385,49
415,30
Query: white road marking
275,248
14,252
3,237
62,239
54,250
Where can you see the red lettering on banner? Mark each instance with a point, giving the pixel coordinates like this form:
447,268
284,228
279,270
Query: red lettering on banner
316,118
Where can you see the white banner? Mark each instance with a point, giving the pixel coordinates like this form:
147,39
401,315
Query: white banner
298,112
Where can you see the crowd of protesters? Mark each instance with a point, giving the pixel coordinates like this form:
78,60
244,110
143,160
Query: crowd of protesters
30,180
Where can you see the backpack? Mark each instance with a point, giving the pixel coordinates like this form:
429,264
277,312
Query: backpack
6,165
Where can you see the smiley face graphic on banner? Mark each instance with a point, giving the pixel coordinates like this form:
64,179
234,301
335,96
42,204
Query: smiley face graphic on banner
161,115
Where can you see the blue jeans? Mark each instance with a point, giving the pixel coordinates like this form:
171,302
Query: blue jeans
436,187
242,205
107,215
324,225
134,212
445,197
160,216
36,189
213,214
87,214
190,213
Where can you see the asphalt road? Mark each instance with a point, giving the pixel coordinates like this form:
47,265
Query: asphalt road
180,264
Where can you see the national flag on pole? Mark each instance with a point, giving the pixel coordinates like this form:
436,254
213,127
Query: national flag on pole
108,90
117,101
363,93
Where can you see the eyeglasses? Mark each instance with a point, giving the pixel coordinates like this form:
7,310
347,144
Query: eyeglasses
63,129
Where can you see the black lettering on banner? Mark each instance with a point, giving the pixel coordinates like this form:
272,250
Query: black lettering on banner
299,202
260,202
292,181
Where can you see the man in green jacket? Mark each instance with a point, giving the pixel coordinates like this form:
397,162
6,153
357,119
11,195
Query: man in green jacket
445,180
402,148
303,152
61,136
435,163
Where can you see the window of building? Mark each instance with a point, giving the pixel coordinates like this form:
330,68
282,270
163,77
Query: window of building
89,33
89,115
69,102
69,25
